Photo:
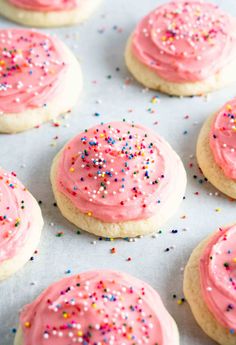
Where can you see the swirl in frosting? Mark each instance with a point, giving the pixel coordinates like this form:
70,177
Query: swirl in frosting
218,277
98,307
223,139
32,68
118,172
185,41
45,5
15,215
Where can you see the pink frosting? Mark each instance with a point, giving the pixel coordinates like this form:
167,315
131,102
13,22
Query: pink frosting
15,215
223,139
32,67
45,5
185,41
98,307
118,172
218,276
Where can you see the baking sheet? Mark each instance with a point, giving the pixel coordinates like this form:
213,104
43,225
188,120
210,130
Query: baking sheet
110,91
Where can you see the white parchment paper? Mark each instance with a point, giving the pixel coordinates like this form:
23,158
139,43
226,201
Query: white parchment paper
110,91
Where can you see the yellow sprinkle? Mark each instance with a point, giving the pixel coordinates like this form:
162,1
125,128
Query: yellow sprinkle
89,213
228,107
234,260
27,324
94,305
179,302
154,100
72,169
102,135
80,333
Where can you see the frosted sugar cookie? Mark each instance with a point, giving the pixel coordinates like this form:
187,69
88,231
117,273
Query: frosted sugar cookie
184,48
35,71
97,307
117,180
20,224
216,149
210,283
48,13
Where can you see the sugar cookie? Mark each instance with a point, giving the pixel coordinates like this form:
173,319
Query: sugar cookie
45,13
209,285
184,48
118,180
216,149
35,70
97,307
21,223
